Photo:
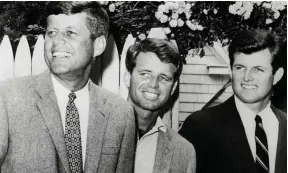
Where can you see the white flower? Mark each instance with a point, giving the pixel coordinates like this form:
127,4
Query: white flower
238,5
191,25
247,15
170,5
268,21
266,5
163,8
158,15
199,27
241,11
167,30
173,23
112,8
232,9
205,11
215,11
142,36
181,3
188,15
180,22
175,16
276,15
180,10
172,35
188,7
175,6
164,18
103,2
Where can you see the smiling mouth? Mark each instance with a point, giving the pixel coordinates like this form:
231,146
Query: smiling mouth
250,87
61,54
150,96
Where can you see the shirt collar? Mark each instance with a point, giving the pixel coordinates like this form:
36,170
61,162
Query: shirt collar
159,125
246,112
61,91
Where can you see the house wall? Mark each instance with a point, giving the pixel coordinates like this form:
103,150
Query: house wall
197,87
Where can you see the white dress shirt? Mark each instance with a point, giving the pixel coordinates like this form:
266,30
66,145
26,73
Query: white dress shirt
82,104
146,148
270,125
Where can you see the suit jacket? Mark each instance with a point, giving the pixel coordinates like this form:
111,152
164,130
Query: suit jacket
32,135
221,143
174,154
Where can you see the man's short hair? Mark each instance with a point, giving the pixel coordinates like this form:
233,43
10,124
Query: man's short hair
97,17
164,49
251,41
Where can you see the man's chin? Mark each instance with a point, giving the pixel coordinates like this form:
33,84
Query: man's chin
249,100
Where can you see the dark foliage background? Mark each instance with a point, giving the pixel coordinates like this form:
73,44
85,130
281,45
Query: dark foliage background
138,17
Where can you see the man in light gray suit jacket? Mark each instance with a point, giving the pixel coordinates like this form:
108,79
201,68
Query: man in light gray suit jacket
153,68
60,121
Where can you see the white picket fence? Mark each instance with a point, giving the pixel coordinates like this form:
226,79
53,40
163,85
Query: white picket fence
111,75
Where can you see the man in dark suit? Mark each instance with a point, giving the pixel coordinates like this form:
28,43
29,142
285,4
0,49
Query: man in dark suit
246,133
59,121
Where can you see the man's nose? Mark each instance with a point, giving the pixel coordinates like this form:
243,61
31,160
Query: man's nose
153,82
59,39
248,75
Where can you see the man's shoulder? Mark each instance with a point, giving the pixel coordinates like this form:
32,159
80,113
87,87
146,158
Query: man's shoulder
179,142
280,113
209,113
18,83
114,102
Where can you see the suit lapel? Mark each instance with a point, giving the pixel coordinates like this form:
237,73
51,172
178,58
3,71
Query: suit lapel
164,152
236,136
98,114
47,105
282,141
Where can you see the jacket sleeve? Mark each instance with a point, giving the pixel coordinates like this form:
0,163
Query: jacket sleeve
3,129
128,145
192,163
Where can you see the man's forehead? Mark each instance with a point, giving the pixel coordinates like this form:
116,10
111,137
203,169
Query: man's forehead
67,19
260,57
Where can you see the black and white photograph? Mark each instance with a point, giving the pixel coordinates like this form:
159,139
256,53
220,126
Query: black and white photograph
143,86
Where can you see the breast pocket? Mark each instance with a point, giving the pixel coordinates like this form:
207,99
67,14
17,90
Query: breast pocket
109,159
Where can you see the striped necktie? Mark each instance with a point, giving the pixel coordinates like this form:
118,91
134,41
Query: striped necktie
262,155
73,136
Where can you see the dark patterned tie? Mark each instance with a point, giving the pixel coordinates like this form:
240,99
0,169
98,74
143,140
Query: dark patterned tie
262,155
73,136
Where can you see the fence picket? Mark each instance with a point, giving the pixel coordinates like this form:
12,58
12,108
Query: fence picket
157,33
38,61
22,64
110,66
6,59
123,89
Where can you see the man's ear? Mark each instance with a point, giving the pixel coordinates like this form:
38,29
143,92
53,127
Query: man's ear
278,75
99,45
174,87
127,77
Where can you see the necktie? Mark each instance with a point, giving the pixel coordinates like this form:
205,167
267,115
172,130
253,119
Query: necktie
73,136
262,156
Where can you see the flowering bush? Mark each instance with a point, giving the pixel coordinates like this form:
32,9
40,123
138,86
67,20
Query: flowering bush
191,24
194,24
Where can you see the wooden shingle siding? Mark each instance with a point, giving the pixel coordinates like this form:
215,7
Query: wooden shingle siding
197,86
